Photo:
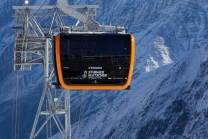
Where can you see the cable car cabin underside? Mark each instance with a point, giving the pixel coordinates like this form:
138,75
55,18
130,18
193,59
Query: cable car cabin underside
94,61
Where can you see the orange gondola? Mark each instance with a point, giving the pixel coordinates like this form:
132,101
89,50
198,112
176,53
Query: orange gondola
85,61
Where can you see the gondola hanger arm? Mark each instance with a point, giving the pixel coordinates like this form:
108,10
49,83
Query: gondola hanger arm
66,8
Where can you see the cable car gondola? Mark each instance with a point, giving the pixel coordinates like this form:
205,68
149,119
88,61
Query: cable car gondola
94,61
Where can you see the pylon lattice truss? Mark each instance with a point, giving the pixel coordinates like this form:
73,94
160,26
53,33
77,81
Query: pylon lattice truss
34,33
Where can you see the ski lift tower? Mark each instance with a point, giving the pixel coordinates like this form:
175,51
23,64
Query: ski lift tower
34,31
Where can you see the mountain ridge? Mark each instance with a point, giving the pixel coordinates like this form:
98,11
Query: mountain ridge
169,87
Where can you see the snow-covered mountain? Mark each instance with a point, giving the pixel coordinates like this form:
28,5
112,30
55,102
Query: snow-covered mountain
168,93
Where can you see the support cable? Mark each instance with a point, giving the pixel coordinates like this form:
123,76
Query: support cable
81,113
79,127
40,6
59,16
50,29
67,115
76,115
13,106
38,26
16,116
83,107
47,14
19,101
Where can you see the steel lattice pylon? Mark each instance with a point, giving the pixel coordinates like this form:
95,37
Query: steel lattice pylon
33,46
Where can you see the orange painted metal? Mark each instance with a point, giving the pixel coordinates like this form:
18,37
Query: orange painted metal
97,86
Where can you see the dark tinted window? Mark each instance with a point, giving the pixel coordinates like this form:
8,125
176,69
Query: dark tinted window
95,58
95,44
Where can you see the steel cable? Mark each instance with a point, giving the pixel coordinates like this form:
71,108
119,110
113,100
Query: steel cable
19,101
47,14
16,116
76,115
143,14
82,115
13,106
40,6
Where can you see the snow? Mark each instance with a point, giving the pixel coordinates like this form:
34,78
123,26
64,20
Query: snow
168,96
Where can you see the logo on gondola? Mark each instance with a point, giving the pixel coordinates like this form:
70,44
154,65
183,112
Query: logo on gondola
94,74
85,74
95,67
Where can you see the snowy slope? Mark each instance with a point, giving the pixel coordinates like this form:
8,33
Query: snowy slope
169,88
168,106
